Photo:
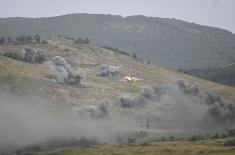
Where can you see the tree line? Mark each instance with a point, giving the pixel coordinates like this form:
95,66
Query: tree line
21,40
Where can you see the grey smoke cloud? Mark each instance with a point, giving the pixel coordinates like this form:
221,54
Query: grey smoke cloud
106,70
65,71
26,120
180,106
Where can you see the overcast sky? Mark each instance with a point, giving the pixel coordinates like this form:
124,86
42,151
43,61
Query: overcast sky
218,13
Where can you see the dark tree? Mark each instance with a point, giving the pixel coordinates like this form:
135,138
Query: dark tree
77,41
216,136
2,41
44,42
130,140
81,41
23,39
163,139
9,40
134,56
37,38
28,38
86,41
20,39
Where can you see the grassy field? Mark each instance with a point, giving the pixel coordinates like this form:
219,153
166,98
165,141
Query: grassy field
205,147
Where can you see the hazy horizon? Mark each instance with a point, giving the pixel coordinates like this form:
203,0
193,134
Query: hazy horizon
216,13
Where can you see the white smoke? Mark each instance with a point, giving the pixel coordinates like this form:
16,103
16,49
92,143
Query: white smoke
66,74
106,70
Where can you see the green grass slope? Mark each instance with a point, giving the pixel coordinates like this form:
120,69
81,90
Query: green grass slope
93,87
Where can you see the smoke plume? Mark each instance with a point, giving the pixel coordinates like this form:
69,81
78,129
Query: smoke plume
173,107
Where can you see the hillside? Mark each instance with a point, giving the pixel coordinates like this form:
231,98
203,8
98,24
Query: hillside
90,58
39,107
224,75
167,42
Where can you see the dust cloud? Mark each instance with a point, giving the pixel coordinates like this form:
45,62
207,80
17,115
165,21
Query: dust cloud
179,106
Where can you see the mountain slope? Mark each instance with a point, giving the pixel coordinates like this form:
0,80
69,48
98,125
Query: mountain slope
168,42
223,75
90,58
26,87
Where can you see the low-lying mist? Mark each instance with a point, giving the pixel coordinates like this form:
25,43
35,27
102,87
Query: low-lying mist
26,120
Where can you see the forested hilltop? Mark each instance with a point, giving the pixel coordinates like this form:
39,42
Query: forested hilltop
168,42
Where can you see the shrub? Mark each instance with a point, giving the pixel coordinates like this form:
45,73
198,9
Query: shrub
116,50
224,136
216,136
81,41
196,138
134,55
37,38
2,41
131,140
231,132
163,139
44,42
24,39
9,40
145,144
230,142
60,143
